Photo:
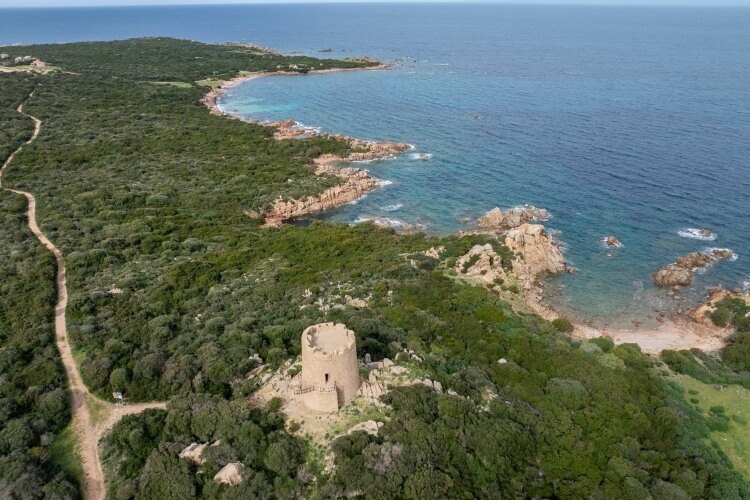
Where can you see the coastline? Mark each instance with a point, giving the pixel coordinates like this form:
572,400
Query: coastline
210,98
357,182
679,331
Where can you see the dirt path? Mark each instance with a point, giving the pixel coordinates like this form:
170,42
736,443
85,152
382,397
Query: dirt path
88,431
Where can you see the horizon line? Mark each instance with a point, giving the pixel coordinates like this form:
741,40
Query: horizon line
555,3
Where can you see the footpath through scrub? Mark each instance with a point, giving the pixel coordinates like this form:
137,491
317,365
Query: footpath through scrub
86,429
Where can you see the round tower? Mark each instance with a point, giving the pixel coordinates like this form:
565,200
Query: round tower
329,365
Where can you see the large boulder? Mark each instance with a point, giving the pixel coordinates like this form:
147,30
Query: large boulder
673,275
612,241
231,474
194,453
538,253
497,219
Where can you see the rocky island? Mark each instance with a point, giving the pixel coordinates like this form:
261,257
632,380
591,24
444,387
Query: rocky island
680,273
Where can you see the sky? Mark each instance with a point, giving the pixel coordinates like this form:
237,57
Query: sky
80,3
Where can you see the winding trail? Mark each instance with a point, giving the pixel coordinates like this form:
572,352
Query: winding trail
86,428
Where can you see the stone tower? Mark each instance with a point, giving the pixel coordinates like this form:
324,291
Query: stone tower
330,375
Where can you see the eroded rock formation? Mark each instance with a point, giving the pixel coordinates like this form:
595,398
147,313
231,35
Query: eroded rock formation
497,219
482,263
357,181
536,250
680,273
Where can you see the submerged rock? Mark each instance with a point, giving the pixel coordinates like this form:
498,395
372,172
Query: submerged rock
497,219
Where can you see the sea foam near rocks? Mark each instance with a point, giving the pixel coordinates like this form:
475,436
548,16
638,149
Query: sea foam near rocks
697,234
420,156
711,250
391,208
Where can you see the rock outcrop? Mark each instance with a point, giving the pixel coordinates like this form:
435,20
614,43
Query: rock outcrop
497,219
537,252
357,181
371,427
680,273
230,474
702,312
194,453
611,241
482,263
673,275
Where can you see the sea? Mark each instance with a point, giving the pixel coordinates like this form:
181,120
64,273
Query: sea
624,121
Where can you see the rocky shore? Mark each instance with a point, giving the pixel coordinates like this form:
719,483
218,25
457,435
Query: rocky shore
536,253
356,181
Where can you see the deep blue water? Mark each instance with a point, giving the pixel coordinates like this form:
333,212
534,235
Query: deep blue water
626,121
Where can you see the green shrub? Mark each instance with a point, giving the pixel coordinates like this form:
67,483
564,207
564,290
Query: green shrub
605,343
563,324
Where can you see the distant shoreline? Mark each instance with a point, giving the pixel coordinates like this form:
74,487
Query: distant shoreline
210,99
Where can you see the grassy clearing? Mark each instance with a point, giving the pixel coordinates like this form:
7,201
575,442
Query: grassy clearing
735,443
99,410
181,85
65,451
208,82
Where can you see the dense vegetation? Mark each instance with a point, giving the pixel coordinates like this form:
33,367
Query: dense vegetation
16,128
735,312
174,287
142,453
33,401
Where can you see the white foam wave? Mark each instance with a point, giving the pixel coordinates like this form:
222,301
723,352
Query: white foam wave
420,156
697,234
391,208
381,221
385,182
746,285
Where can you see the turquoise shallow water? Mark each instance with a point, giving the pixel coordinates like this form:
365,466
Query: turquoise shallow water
626,121
638,128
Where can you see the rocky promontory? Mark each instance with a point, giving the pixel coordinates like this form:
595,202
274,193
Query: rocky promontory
497,219
702,313
357,181
680,273
536,251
